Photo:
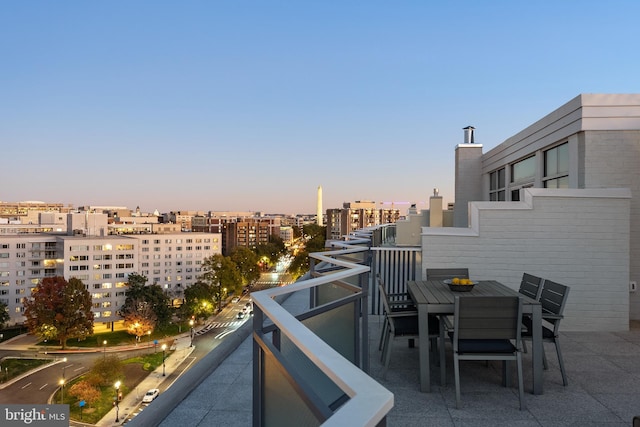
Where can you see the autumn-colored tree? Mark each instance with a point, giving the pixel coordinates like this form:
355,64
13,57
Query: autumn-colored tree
59,310
84,390
139,318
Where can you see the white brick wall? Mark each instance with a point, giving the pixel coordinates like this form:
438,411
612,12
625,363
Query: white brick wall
579,238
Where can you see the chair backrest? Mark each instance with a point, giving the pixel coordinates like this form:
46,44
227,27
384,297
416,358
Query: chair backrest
531,286
553,299
487,317
447,273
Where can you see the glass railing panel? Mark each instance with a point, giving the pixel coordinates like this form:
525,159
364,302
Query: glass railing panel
337,328
283,404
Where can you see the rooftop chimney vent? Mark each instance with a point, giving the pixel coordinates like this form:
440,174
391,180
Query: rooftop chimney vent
468,135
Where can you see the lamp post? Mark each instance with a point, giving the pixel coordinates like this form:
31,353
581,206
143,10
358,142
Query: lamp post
219,289
164,347
62,390
191,324
117,386
104,350
64,361
149,339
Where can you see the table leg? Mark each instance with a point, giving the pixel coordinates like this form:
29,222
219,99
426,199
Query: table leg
423,343
537,351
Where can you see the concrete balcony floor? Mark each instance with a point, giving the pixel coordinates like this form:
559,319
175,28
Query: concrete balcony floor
603,370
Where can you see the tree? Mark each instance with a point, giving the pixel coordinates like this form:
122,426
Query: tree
59,310
220,273
246,261
314,242
139,318
198,301
4,314
153,295
84,390
105,371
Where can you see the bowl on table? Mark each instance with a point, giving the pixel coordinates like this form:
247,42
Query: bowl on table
460,285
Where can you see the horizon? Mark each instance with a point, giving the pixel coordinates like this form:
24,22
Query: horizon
221,106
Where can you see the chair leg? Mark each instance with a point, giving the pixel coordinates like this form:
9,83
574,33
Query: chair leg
443,370
524,346
456,373
520,381
387,356
544,359
565,382
385,343
382,332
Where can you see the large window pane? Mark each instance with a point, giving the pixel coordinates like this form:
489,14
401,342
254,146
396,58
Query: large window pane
523,170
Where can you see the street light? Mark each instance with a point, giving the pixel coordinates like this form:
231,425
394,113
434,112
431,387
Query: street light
117,386
164,347
64,361
219,289
191,324
104,349
149,339
62,390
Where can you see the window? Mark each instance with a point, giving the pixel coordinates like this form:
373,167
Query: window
556,167
524,170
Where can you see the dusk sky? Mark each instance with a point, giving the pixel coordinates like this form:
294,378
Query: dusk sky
251,105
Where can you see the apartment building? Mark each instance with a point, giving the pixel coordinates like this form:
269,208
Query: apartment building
243,229
355,216
172,260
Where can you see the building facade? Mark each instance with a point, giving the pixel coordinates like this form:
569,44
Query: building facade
103,262
560,199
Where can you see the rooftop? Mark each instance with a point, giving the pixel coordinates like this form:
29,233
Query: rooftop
603,370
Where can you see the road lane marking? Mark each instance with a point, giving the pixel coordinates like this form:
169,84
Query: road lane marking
78,369
43,386
25,386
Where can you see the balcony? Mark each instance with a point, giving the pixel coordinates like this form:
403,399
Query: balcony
296,366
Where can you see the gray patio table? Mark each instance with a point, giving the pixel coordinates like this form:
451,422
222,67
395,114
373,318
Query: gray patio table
435,297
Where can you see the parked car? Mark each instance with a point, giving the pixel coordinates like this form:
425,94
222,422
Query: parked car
235,299
241,315
150,395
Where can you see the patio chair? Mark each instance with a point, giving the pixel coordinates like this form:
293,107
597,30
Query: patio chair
553,299
484,328
397,302
531,286
447,273
401,323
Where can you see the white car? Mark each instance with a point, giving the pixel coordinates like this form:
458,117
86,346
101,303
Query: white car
150,395
235,299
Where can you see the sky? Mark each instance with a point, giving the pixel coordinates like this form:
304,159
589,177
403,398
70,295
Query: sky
252,105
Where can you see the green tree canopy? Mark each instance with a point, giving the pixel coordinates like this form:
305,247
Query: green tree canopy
59,310
153,295
246,261
198,301
221,273
4,314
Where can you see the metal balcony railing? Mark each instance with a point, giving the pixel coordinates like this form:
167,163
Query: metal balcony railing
310,368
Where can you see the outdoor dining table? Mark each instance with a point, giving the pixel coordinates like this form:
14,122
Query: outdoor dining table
435,297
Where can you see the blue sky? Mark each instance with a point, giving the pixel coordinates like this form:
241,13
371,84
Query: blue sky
251,105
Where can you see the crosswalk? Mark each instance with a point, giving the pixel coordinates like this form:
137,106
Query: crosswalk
214,325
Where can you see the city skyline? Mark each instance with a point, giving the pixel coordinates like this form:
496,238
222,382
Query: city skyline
251,106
